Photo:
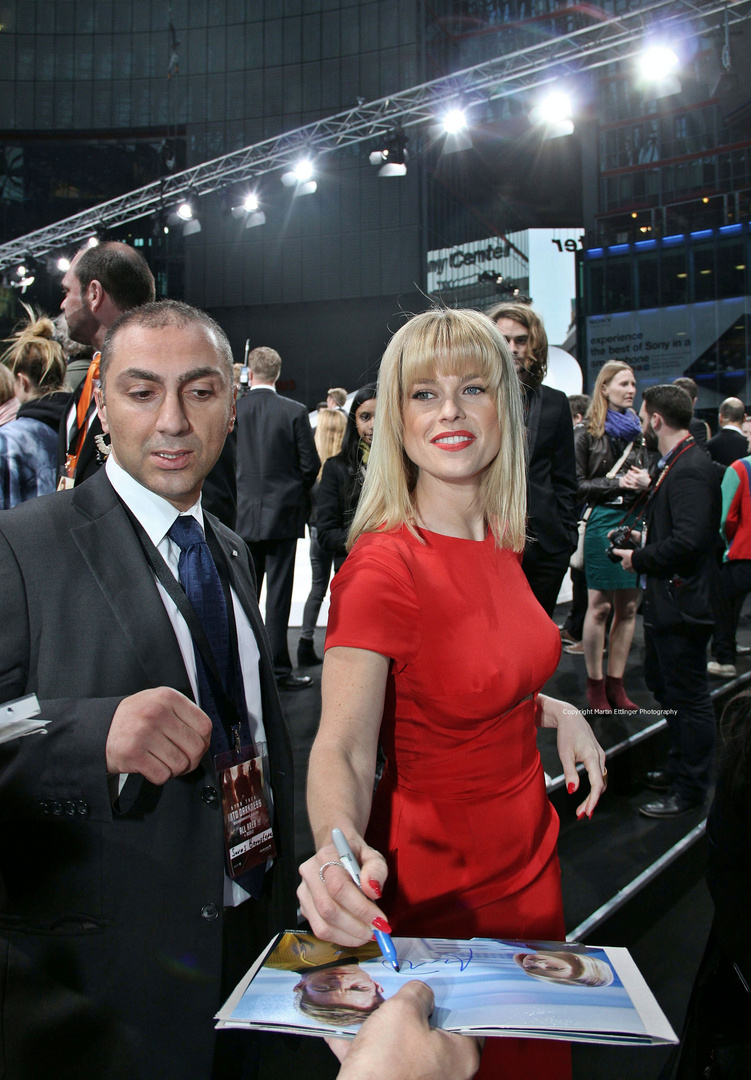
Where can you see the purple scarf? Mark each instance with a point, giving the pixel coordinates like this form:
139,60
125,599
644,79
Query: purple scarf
622,425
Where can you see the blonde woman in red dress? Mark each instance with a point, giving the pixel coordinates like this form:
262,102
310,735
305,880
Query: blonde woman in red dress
437,647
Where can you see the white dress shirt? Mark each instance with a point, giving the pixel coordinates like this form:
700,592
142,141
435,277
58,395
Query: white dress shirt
157,517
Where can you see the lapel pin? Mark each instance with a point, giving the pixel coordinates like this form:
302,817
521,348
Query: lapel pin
234,552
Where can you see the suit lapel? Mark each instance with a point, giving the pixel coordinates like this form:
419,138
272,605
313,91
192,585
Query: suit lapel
114,556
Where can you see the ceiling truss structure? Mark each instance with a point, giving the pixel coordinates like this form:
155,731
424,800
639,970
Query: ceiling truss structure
611,40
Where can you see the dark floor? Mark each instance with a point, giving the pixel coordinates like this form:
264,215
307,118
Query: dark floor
667,950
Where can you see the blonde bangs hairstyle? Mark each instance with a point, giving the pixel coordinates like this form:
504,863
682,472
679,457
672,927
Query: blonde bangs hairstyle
598,411
445,342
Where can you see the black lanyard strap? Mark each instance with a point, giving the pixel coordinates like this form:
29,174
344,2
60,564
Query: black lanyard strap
228,709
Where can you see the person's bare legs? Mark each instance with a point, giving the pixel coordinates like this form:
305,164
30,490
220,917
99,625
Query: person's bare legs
625,603
593,637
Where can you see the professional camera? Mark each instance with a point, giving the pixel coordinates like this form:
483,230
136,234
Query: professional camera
620,538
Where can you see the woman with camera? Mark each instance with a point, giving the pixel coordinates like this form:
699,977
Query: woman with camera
611,470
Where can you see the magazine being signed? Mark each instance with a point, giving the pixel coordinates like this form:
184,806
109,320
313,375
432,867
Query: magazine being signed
484,986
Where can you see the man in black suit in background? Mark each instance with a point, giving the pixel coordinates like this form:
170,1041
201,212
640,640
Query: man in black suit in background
277,464
120,929
551,493
729,444
682,521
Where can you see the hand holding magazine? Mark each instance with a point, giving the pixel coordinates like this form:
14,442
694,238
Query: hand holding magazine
484,986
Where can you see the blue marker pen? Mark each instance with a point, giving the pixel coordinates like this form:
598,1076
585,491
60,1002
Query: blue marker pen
344,851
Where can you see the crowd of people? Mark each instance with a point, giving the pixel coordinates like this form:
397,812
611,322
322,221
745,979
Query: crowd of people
449,499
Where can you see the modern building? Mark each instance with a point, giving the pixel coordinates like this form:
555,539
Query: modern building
103,97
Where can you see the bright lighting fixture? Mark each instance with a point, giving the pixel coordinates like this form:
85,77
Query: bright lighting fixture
250,203
308,188
185,211
658,62
63,264
555,108
303,171
454,121
93,242
393,168
21,270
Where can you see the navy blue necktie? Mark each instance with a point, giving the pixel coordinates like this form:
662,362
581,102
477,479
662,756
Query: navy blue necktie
199,578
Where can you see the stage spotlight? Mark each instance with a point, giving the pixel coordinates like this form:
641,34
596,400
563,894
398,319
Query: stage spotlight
63,264
92,242
454,121
185,211
250,203
553,113
393,157
24,275
305,189
454,126
657,62
657,66
303,171
301,176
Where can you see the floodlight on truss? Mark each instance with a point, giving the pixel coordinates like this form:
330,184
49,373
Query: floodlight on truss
607,41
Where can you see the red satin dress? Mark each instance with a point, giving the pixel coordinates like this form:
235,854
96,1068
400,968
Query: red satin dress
461,813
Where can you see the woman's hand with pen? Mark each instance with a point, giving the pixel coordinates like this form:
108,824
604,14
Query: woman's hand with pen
331,902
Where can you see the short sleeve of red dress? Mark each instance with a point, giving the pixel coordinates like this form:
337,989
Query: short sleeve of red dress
374,604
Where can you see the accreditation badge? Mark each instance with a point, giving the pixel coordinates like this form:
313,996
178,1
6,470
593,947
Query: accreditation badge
248,836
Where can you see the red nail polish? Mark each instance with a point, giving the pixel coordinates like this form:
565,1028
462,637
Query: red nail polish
382,925
580,816
372,937
376,888
571,788
590,815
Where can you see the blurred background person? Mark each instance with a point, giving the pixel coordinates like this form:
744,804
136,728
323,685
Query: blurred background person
735,571
336,397
551,475
610,436
746,429
277,465
77,356
329,434
729,443
699,428
343,476
28,444
8,401
573,628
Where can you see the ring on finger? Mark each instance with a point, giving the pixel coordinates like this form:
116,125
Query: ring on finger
333,862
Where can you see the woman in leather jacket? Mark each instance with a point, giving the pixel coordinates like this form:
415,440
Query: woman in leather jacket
610,427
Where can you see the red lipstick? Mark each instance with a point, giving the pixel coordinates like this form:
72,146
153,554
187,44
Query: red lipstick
453,440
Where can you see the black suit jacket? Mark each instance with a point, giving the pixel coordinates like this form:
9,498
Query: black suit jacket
277,464
727,446
551,472
111,922
682,521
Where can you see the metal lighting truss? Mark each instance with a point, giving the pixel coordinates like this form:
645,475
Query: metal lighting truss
611,40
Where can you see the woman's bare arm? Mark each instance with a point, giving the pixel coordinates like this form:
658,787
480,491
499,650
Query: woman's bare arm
340,788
